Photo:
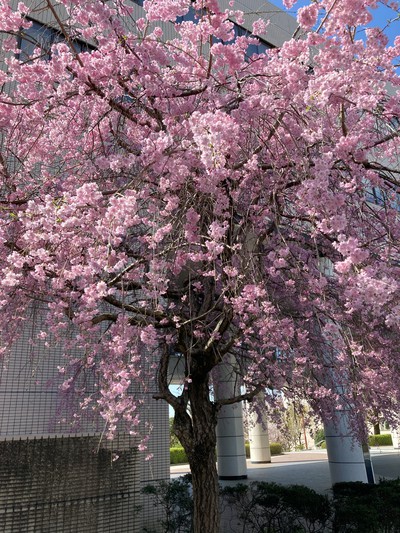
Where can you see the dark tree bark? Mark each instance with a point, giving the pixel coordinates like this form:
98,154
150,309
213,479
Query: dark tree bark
205,493
197,433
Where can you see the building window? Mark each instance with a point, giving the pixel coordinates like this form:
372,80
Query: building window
37,38
239,31
36,42
375,196
190,16
259,48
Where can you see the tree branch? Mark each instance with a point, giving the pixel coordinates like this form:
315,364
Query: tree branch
248,396
162,379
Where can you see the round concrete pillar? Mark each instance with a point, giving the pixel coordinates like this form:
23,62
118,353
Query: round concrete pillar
259,440
231,453
395,438
347,461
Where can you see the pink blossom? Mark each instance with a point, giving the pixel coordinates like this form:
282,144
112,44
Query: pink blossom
149,336
307,16
260,27
289,3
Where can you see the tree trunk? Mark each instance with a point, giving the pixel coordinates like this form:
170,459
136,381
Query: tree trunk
377,429
205,494
197,432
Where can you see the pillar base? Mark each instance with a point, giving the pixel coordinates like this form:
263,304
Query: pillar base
260,462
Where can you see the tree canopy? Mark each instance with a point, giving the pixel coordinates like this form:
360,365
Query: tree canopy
178,198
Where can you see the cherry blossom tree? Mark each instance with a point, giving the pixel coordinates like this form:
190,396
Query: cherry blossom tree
173,199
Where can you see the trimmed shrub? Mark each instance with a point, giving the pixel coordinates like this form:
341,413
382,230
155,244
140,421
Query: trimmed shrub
262,507
268,507
173,439
363,508
319,436
247,448
175,497
177,456
355,509
384,439
388,496
275,447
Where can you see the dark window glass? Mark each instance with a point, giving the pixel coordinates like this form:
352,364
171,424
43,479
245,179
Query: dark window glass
395,122
252,49
375,196
259,48
41,38
190,16
37,37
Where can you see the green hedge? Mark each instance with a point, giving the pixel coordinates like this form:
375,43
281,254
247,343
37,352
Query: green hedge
380,440
178,456
268,507
362,508
259,507
275,447
373,440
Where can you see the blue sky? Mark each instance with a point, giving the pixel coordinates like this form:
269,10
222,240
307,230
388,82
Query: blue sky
381,17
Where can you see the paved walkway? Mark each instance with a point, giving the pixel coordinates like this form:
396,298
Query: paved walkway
309,468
